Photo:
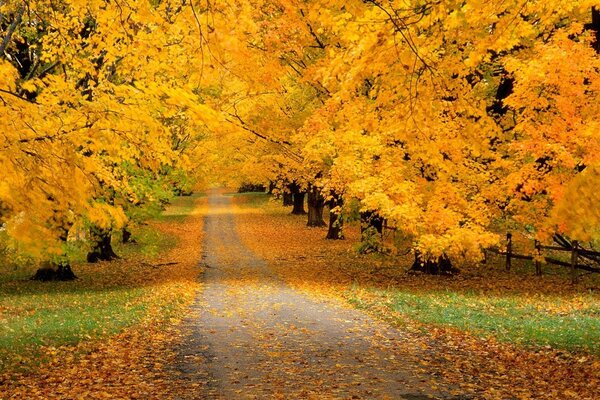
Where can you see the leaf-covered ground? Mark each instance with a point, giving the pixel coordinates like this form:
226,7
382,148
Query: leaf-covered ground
495,335
251,336
111,333
274,319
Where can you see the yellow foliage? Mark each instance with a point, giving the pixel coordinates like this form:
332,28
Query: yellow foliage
448,120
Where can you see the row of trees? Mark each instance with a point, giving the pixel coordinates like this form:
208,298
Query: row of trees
101,109
451,121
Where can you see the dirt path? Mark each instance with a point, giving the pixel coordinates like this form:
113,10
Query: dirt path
249,336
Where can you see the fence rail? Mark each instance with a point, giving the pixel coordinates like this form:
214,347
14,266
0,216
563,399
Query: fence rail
576,254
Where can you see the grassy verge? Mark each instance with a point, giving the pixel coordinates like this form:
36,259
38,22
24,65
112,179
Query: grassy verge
180,209
105,299
486,301
251,199
548,321
492,334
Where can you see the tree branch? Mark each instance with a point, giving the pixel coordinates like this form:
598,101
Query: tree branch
11,29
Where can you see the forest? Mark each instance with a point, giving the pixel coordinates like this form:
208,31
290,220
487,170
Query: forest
434,138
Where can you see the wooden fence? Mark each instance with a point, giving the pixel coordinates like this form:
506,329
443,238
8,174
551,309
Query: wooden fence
577,254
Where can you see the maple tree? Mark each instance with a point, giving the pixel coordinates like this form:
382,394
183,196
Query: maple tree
92,93
448,315
447,120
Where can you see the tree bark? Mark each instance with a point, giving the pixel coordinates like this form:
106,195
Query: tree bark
298,199
316,203
442,265
299,204
64,272
52,272
102,247
288,199
335,231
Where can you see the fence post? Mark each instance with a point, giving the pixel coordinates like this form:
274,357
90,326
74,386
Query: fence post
574,256
508,250
538,263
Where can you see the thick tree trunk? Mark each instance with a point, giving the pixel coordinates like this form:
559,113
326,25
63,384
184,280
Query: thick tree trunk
52,272
433,267
288,199
316,203
64,272
102,247
299,204
335,231
298,199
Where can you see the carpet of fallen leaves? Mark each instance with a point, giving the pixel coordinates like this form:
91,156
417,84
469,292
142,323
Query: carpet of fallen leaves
250,336
133,364
481,366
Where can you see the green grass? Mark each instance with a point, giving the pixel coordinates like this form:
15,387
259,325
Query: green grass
151,242
179,208
251,198
514,319
567,321
63,315
105,299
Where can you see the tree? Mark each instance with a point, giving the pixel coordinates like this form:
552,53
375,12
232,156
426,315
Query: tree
316,204
86,89
450,120
420,117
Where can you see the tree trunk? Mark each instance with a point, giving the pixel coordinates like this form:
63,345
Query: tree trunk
102,247
127,236
335,231
11,30
298,199
299,204
52,272
288,199
64,272
272,187
433,267
316,203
